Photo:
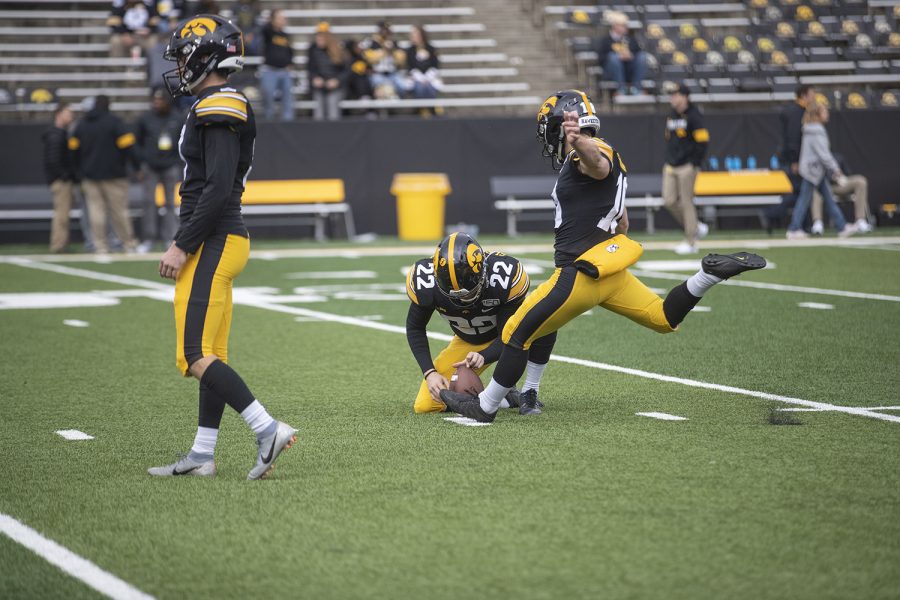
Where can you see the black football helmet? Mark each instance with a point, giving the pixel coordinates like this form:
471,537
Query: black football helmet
200,45
550,120
459,268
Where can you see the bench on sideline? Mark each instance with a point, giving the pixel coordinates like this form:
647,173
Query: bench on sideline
314,201
739,193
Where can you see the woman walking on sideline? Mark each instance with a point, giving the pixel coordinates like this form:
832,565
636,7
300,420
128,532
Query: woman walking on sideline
817,164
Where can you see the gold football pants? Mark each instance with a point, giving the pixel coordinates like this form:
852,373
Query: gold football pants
203,299
455,352
569,293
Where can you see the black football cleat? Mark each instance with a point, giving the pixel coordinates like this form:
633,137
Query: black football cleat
512,397
529,403
467,406
725,266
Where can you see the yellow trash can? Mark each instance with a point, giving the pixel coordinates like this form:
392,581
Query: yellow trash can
420,205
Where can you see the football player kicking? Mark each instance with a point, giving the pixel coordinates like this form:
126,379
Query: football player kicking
592,252
476,294
212,245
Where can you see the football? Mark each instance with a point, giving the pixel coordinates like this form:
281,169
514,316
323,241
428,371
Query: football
466,381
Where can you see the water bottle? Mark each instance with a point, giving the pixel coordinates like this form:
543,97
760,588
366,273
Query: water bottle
729,163
751,162
737,163
713,163
773,163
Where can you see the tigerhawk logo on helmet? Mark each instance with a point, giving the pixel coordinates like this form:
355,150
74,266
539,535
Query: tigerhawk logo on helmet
199,46
550,119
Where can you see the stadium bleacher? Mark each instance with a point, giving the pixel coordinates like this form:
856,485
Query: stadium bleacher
57,50
752,51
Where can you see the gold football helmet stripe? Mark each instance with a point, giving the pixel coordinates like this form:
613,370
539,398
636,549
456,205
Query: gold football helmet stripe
451,263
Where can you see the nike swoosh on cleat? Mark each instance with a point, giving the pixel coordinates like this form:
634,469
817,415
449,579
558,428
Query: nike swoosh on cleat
268,458
191,470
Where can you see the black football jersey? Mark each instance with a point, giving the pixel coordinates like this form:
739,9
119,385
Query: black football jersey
506,281
587,209
216,145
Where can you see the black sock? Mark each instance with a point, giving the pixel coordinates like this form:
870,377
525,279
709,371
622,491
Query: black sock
211,408
541,349
678,304
227,385
511,366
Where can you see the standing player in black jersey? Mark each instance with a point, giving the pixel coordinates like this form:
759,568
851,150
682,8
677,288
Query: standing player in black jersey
476,294
592,252
212,245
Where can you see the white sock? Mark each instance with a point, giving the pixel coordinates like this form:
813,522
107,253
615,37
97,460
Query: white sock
700,282
257,418
492,396
533,374
504,403
205,442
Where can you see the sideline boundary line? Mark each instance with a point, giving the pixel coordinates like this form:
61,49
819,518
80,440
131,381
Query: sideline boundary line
354,321
70,563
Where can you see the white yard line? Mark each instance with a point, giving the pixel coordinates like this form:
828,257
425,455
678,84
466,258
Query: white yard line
80,568
466,421
74,434
354,321
509,248
825,410
776,286
661,416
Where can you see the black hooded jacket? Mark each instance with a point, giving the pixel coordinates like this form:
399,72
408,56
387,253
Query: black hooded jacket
102,145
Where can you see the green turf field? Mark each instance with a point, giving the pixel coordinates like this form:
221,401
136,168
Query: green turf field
588,500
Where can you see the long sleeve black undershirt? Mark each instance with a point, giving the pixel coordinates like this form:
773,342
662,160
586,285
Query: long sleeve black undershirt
416,334
221,152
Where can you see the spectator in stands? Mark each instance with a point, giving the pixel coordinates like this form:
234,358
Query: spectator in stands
157,134
246,17
816,166
60,171
422,65
385,58
327,67
133,24
102,146
686,141
620,54
359,84
275,74
851,187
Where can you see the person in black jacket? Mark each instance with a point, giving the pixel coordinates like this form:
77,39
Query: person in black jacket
686,142
275,74
157,134
621,56
60,171
422,64
102,145
327,66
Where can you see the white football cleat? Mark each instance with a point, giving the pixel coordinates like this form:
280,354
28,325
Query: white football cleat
269,449
185,466
797,235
